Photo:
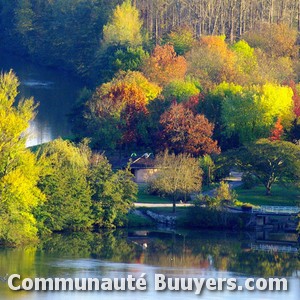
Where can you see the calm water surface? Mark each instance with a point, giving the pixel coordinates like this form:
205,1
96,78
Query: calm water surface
55,91
119,253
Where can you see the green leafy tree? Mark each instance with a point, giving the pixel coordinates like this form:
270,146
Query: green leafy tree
182,38
270,161
245,63
177,175
252,112
19,171
208,166
129,58
64,182
181,90
113,192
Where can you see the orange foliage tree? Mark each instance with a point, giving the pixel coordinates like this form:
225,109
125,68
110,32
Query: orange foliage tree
185,132
115,109
165,66
212,61
277,132
126,103
277,40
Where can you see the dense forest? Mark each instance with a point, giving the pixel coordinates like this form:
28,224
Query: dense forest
69,33
210,17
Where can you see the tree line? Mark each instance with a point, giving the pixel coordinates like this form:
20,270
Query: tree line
69,33
190,95
60,186
212,17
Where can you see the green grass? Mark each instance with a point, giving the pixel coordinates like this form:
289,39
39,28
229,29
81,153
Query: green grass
144,197
139,221
280,196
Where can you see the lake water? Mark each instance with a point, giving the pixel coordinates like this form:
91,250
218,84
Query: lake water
119,253
55,91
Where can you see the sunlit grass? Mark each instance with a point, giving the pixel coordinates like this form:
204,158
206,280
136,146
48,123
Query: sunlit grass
145,197
280,196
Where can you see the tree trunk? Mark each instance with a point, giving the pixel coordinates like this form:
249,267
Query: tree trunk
174,204
268,189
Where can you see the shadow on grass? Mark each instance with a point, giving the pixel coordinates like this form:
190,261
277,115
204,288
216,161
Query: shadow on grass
281,196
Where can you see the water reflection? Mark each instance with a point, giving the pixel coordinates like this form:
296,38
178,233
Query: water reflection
56,92
118,253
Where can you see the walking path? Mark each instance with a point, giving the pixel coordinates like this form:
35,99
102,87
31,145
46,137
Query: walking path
151,205
234,181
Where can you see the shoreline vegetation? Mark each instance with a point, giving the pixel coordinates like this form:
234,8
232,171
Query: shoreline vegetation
190,103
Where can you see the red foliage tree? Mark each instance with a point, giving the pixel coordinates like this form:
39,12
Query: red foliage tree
192,103
296,97
165,66
184,132
277,132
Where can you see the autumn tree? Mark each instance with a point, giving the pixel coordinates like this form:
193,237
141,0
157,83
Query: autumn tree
275,48
182,38
19,170
184,132
211,61
273,69
116,107
294,132
277,40
124,28
178,175
277,131
164,65
224,193
296,97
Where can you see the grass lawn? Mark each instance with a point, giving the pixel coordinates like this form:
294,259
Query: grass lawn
139,221
280,196
144,197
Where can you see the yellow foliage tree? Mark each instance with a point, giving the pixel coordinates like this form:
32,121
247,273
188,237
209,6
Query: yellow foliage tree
124,27
251,112
19,171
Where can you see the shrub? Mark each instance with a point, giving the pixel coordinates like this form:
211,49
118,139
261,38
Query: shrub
249,181
224,193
